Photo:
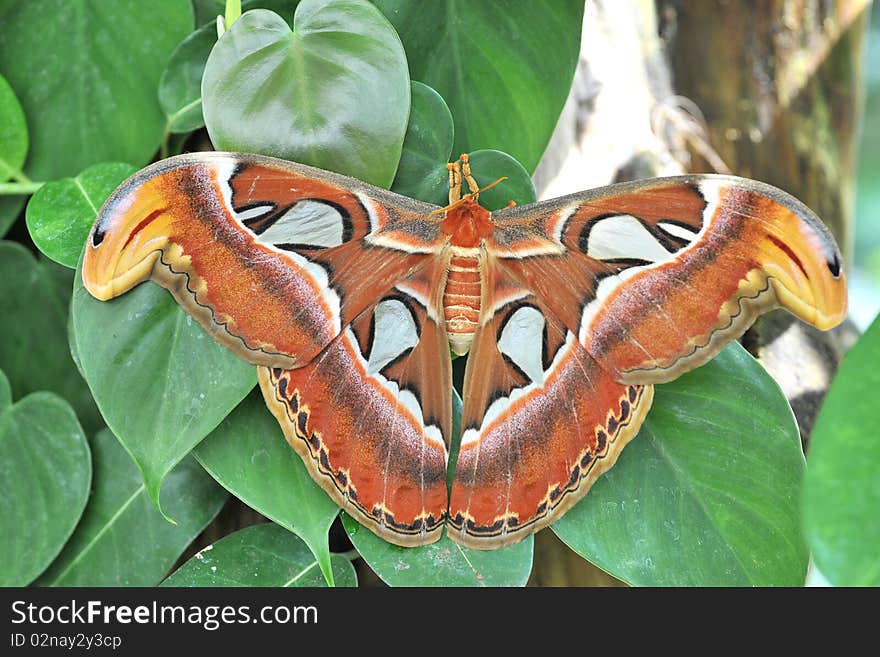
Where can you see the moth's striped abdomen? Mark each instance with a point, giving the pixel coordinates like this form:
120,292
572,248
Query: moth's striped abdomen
461,301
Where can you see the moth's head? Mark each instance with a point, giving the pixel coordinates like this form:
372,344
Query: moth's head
464,219
128,235
467,222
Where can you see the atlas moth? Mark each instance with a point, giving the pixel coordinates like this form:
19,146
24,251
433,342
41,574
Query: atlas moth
348,297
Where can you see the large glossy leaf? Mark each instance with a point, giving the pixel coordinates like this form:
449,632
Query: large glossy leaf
44,481
33,336
842,486
333,92
443,563
13,133
122,540
248,454
504,68
426,148
61,213
86,74
161,382
707,494
260,555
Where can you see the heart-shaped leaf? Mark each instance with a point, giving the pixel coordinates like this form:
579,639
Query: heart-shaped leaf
33,340
45,471
333,92
842,486
260,555
161,382
426,148
122,540
248,454
504,68
443,563
707,494
61,213
86,75
13,133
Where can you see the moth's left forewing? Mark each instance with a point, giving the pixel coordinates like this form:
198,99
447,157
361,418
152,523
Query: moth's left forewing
657,276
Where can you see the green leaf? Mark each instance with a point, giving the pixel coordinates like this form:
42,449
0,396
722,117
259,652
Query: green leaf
842,487
489,166
86,74
333,92
33,338
504,68
161,382
443,563
44,481
180,87
707,494
260,555
249,455
426,148
122,540
61,213
13,133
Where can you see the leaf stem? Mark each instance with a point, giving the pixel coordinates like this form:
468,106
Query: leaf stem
24,187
